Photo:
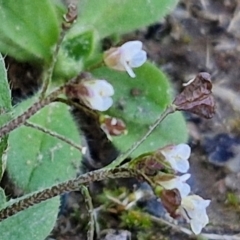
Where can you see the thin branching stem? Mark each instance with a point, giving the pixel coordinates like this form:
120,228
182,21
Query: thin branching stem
188,232
49,71
68,186
88,200
53,134
77,105
21,119
170,109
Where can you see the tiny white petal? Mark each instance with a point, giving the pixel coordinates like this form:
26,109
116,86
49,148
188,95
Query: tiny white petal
183,150
131,48
196,227
179,183
182,165
103,87
185,177
107,103
138,59
129,70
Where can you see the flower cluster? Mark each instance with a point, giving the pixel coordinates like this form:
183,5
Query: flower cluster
96,93
192,207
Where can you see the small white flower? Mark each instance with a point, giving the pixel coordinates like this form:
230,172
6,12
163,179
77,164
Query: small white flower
96,94
178,182
193,209
129,55
177,156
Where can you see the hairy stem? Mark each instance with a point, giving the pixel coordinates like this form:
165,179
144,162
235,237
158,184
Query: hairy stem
88,200
170,109
70,185
49,72
53,134
21,119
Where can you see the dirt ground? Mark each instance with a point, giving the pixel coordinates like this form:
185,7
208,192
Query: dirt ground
200,35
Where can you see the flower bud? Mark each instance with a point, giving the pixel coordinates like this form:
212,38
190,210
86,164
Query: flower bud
112,126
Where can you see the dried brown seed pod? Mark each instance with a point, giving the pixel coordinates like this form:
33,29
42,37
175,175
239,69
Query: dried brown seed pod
197,97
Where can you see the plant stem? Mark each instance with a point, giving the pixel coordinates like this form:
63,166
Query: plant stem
53,134
49,72
21,119
170,109
64,187
88,200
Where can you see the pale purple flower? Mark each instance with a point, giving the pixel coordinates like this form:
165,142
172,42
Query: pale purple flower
129,55
177,156
178,182
193,209
97,94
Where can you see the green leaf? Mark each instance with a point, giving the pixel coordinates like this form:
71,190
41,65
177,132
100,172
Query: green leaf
117,17
79,46
74,50
36,160
5,96
2,198
33,223
141,110
29,29
5,108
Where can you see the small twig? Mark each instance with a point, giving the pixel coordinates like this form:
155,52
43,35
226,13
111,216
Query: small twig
21,119
53,134
85,192
170,109
64,187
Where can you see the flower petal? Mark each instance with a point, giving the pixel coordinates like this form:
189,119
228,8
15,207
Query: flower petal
100,90
103,88
193,208
107,103
131,48
181,165
138,59
179,183
183,150
129,70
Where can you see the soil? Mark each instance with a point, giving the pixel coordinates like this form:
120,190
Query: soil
198,36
